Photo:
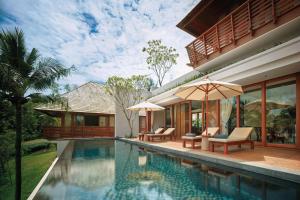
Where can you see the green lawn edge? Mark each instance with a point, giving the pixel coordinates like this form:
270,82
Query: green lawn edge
34,167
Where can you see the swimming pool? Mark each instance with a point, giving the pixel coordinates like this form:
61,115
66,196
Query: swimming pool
112,169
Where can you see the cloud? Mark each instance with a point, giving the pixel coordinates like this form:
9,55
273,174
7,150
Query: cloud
101,38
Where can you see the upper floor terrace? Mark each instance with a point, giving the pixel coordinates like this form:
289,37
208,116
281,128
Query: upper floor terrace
220,30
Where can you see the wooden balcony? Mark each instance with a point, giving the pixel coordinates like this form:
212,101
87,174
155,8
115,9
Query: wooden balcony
78,132
250,20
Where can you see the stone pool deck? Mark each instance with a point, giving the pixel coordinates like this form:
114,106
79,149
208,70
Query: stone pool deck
274,162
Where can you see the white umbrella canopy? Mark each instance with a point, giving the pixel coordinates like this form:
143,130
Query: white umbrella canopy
147,106
213,90
206,90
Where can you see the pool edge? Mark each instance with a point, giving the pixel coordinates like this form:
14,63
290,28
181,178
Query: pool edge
229,162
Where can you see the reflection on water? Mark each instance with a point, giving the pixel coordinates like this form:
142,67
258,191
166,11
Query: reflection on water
107,169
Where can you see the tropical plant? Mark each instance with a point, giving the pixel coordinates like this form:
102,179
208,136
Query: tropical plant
160,58
127,92
23,75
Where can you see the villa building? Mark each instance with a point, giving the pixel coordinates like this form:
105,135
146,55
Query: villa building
86,111
253,43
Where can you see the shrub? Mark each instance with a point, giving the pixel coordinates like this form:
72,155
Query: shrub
34,146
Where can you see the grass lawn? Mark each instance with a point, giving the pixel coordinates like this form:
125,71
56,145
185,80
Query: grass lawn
34,166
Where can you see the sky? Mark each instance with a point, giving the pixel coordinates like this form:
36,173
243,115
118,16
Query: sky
101,38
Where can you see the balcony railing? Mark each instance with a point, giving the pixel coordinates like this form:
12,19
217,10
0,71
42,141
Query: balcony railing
78,132
249,17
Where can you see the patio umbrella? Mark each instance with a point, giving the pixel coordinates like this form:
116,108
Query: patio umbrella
146,106
206,90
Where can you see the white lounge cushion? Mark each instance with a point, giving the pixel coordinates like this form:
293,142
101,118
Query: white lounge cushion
191,138
169,131
158,131
238,134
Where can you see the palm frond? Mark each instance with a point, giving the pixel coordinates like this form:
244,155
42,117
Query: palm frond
47,72
32,57
13,51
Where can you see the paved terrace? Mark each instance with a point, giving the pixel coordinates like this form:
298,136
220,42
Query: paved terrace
275,162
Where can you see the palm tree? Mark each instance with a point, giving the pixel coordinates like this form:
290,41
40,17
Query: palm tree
22,75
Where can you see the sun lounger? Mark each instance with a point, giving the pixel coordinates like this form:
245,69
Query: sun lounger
157,131
237,137
211,131
167,133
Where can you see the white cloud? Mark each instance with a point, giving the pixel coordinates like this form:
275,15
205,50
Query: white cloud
101,38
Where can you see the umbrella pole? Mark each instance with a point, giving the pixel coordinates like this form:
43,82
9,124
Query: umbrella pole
206,113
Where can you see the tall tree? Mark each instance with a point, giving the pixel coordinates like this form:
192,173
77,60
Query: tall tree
160,58
127,92
22,75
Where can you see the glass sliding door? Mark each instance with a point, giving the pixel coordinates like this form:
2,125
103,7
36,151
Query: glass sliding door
251,111
227,115
185,118
168,119
281,112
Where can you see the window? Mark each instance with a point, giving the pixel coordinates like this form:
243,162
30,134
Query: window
281,112
102,121
79,120
111,121
250,111
91,120
197,117
228,115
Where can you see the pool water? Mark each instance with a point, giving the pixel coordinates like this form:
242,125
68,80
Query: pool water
112,169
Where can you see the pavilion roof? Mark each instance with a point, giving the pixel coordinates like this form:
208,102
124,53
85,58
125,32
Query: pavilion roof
87,98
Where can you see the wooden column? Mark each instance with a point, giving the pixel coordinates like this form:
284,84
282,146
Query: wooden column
203,115
165,125
238,117
190,114
172,116
148,121
63,126
219,114
263,114
298,110
72,123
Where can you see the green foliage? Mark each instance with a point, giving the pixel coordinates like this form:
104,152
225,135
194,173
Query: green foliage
127,92
150,85
160,58
6,152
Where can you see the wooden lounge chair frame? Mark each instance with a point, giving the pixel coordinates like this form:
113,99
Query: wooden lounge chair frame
167,133
157,131
211,131
233,139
